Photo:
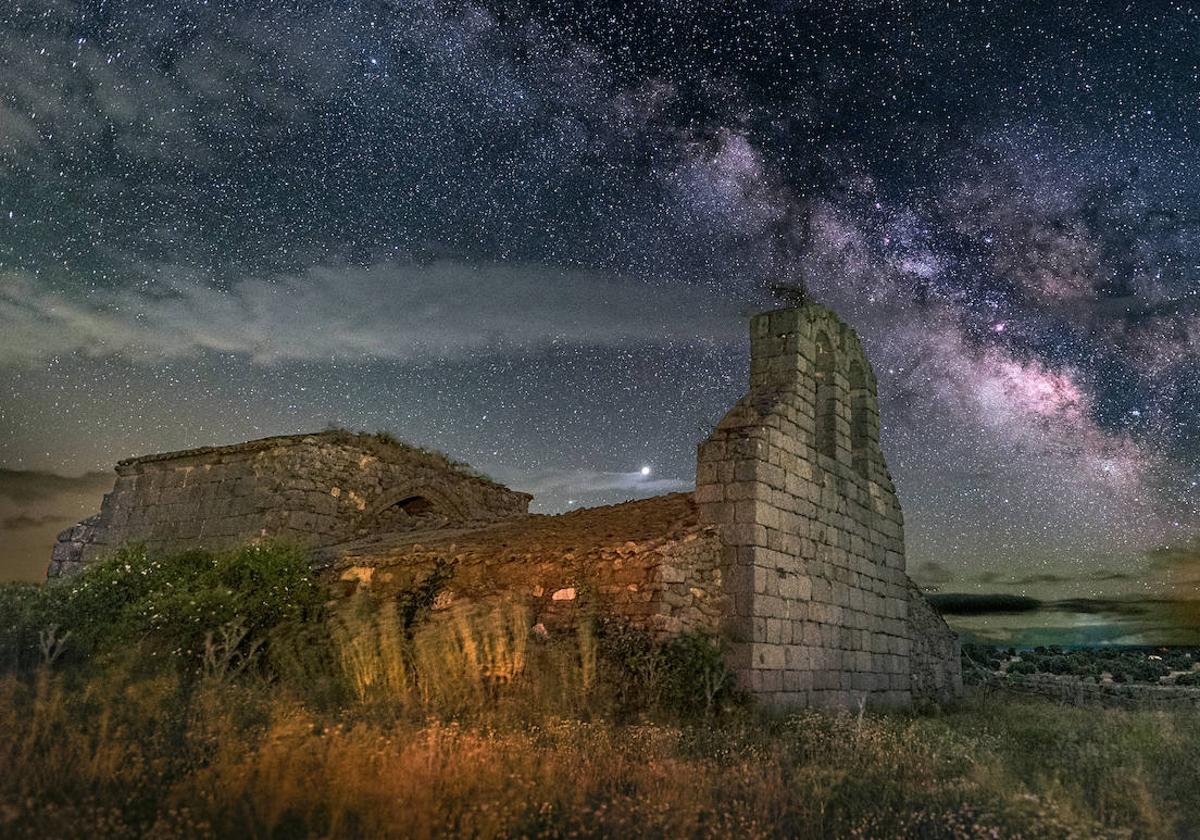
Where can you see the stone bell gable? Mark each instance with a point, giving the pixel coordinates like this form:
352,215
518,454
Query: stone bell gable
812,532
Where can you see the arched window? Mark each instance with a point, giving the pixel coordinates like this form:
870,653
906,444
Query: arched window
412,507
824,365
859,417
410,513
415,505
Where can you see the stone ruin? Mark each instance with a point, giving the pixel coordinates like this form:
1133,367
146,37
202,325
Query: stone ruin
318,489
791,547
812,534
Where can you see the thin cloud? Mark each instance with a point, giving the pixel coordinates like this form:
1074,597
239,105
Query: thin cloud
584,483
394,312
24,520
23,486
932,573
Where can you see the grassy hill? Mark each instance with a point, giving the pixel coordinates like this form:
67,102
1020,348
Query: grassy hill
229,695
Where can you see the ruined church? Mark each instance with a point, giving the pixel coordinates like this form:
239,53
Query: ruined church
791,547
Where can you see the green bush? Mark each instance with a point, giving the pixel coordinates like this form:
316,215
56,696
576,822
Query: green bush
683,675
1057,665
1126,665
1178,660
173,607
29,616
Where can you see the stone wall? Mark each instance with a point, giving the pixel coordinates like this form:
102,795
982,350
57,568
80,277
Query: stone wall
1079,692
650,563
317,489
812,531
936,664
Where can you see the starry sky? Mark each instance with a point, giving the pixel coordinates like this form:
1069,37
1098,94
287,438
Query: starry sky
531,234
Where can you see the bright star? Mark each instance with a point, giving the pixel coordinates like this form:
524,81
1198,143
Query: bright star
645,471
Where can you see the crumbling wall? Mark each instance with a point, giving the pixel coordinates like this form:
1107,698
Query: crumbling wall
316,489
936,654
813,535
649,563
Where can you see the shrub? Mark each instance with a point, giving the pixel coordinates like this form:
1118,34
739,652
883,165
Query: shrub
172,607
29,615
683,674
415,604
1057,664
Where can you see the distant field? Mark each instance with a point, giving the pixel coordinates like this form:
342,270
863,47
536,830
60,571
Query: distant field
1119,621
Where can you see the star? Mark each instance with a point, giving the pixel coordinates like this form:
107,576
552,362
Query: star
535,246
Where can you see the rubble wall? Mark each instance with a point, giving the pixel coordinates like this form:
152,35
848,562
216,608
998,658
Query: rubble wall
936,654
649,563
315,489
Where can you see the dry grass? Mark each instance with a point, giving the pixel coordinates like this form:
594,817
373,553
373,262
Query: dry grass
469,662
468,727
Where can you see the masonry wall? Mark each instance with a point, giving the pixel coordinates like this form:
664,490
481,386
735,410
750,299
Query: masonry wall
936,656
316,489
813,535
649,563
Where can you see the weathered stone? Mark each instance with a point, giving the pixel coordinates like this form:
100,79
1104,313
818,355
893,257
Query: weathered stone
826,543
317,489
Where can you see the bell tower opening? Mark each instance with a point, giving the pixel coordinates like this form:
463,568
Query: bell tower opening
826,396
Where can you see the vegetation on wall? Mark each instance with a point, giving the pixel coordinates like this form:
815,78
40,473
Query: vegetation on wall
381,441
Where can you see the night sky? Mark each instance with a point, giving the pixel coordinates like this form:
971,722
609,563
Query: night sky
531,234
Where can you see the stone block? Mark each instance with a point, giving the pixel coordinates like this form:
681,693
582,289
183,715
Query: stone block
741,490
744,534
769,656
717,513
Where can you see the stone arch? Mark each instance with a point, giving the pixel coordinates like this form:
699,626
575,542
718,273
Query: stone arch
413,507
824,371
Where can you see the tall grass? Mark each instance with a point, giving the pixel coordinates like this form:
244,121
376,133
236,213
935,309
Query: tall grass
375,719
137,760
468,663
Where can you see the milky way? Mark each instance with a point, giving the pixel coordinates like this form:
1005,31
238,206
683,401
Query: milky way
531,234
